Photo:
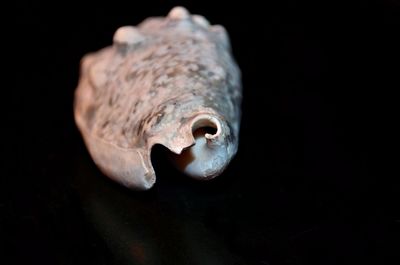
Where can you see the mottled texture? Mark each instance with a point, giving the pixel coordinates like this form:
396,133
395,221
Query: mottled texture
149,87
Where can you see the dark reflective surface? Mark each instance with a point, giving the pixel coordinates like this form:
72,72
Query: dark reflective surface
311,184
179,222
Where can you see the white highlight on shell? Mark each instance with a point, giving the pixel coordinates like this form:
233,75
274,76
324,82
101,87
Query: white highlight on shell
179,12
128,35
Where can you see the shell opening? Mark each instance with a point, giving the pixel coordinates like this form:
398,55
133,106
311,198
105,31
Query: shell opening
207,157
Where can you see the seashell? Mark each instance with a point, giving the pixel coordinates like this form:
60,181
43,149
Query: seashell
169,81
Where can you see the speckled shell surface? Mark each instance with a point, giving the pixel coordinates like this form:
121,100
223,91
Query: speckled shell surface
157,84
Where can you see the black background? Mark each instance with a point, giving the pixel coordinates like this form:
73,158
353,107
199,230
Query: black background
311,184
